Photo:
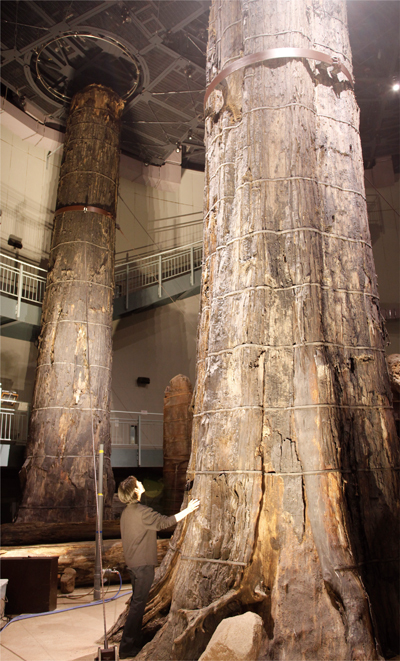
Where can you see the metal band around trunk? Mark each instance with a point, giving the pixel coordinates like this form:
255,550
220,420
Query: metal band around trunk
274,54
85,209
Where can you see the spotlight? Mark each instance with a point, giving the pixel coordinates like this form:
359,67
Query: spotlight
396,87
178,147
190,135
15,242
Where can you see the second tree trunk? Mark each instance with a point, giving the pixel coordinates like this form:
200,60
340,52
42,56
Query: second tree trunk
70,408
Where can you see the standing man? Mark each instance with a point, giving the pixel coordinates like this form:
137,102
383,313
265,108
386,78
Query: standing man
139,525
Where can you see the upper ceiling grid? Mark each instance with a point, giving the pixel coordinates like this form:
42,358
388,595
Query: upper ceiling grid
151,53
158,47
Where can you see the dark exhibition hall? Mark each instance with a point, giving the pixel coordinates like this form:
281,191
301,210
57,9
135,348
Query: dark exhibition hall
200,330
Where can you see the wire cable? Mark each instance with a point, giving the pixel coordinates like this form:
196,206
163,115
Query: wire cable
382,196
98,537
71,608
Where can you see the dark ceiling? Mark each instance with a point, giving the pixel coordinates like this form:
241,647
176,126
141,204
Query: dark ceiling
153,54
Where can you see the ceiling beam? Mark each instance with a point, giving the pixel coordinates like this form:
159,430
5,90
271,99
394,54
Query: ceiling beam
189,19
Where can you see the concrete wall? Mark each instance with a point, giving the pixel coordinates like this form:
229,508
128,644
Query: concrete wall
150,218
28,195
158,344
156,220
18,367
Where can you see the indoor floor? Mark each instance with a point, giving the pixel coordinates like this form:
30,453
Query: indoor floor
63,636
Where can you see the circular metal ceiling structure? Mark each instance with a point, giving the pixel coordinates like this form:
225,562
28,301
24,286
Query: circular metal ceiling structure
153,54
74,59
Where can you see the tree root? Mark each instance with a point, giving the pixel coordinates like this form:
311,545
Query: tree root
195,618
184,646
161,596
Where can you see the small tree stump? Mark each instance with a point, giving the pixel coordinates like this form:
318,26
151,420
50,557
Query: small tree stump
67,581
176,439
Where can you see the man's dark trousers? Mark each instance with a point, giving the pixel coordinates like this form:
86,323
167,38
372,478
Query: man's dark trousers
142,579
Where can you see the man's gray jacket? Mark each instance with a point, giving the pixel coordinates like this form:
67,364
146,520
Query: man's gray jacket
139,525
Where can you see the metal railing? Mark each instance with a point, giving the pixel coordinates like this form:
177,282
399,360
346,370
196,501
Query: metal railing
13,426
155,269
26,282
128,428
6,418
166,237
22,281
141,430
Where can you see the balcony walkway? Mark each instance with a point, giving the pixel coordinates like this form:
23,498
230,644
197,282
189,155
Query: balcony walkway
140,283
136,437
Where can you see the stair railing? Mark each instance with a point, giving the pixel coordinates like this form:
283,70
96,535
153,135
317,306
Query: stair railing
22,281
26,282
155,269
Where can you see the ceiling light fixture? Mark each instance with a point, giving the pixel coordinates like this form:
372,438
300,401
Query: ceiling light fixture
396,87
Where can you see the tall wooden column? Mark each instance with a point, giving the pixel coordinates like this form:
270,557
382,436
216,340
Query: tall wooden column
70,408
295,457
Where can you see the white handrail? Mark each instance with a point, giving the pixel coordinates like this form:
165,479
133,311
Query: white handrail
25,281
147,431
155,269
19,261
155,255
14,425
21,280
137,412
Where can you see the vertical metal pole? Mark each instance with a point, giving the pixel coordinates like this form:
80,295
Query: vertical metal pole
1,415
139,427
20,279
99,528
127,285
191,266
159,276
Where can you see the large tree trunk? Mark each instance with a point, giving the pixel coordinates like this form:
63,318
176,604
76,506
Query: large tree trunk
37,532
70,408
295,457
81,557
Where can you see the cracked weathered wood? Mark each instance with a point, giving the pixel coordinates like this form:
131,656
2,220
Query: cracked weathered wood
37,532
81,557
73,378
293,443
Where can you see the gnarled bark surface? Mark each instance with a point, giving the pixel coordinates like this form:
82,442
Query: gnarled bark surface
295,457
37,532
71,397
81,557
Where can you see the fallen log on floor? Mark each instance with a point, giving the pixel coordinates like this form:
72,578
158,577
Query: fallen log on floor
17,534
81,557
